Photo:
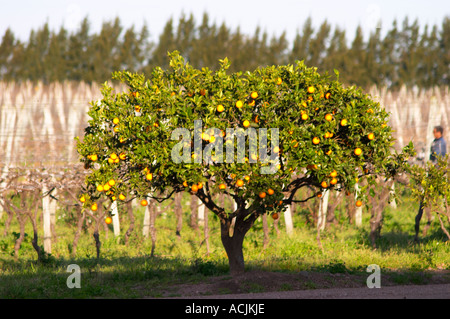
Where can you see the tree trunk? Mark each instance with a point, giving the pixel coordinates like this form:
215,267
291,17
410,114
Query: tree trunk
131,227
206,232
21,220
193,221
97,241
358,211
233,247
81,217
265,230
178,213
8,221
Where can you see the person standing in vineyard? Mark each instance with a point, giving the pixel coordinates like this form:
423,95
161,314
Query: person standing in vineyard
438,148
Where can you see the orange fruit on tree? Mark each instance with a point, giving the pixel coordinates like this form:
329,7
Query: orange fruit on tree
276,149
262,195
319,195
117,160
220,108
270,191
212,139
122,156
144,202
112,182
82,199
199,185
239,104
113,156
371,136
252,103
275,216
358,151
329,152
116,120
344,122
311,89
137,108
316,140
247,178
329,117
239,183
359,203
246,123
94,157
108,220
327,95
304,116
222,186
333,181
279,81
94,207
185,184
106,187
333,173
113,198
202,92
122,197
149,176
121,140
324,184
100,188
254,95
116,129
194,188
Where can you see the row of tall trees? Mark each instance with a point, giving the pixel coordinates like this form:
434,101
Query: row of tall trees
406,54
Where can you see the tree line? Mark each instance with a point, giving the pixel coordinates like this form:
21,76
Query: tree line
406,55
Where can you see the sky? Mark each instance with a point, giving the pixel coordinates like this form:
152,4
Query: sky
272,16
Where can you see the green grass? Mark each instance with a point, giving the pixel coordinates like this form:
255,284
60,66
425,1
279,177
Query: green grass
129,272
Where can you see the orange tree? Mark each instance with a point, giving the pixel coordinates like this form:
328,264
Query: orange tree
321,135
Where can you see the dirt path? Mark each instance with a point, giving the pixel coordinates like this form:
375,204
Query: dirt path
264,284
441,291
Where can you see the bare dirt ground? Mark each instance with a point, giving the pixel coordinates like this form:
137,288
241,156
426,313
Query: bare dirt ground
276,285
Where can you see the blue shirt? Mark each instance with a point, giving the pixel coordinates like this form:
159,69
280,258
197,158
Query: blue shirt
438,148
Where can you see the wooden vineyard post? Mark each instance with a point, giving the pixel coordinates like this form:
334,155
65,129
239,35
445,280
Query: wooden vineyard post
323,207
201,213
115,219
46,217
288,220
